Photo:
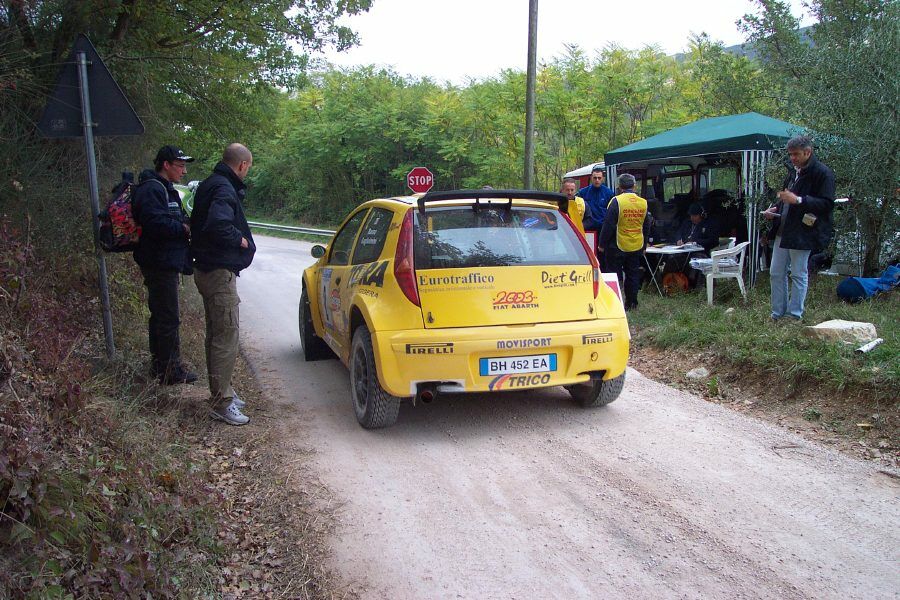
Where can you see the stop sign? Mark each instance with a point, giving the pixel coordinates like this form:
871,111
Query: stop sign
420,180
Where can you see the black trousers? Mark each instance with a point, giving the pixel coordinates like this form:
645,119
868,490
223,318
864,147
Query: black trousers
627,265
162,299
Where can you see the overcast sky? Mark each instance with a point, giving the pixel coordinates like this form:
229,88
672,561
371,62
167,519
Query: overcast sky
454,40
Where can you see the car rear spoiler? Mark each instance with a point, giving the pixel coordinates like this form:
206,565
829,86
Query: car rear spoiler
482,194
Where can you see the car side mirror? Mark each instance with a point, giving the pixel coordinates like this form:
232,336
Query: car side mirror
317,251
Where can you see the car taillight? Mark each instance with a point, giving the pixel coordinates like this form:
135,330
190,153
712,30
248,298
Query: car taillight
590,252
404,267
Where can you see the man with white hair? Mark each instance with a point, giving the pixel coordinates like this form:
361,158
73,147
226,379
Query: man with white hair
800,220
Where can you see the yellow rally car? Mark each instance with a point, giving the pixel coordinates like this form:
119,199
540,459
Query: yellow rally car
463,291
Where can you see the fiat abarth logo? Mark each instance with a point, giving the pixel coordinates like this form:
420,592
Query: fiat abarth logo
517,299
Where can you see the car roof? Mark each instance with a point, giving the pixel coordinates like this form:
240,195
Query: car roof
465,197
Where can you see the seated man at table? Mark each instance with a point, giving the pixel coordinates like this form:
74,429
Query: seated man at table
699,229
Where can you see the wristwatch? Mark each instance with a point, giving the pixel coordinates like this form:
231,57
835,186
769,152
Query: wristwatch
799,199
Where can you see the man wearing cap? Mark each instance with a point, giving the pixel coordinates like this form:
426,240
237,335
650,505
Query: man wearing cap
222,246
162,254
698,229
623,238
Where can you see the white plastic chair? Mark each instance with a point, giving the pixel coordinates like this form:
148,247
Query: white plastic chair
722,264
725,243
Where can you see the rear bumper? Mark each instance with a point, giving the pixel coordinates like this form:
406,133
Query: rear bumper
450,357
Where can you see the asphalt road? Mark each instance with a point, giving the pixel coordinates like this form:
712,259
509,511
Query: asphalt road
526,495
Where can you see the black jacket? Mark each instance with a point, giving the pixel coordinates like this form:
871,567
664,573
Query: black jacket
218,223
705,233
157,209
816,185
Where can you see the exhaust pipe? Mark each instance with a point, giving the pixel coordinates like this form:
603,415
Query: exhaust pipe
425,393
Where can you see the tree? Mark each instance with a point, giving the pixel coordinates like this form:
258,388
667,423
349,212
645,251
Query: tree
200,74
844,85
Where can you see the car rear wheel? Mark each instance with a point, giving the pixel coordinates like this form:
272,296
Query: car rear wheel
374,407
314,347
597,392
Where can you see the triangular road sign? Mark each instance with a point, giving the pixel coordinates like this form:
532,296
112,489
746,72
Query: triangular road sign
111,112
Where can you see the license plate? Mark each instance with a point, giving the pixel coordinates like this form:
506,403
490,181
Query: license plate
538,363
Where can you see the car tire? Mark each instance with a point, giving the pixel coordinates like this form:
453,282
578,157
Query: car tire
598,392
314,347
374,407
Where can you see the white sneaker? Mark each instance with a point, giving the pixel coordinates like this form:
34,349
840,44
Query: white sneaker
231,414
236,400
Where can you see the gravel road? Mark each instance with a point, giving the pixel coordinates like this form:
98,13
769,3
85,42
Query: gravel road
526,495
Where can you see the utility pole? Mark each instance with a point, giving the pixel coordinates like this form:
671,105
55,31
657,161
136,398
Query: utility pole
529,93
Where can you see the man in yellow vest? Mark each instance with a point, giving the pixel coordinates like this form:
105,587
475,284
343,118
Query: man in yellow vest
623,238
578,210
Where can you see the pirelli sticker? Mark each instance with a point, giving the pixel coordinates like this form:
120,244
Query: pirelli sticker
435,348
596,338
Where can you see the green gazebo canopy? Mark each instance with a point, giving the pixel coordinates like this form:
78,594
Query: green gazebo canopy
749,131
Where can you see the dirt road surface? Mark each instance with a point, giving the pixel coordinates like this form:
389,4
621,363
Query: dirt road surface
526,495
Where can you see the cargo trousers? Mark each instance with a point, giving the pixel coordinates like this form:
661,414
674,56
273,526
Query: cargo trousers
220,302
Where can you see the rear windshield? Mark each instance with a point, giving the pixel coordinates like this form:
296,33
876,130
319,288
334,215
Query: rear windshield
465,236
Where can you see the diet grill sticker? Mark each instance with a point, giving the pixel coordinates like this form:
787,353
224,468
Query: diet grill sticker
566,278
506,365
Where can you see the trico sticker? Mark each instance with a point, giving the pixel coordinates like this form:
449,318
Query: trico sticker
513,300
596,338
518,381
435,348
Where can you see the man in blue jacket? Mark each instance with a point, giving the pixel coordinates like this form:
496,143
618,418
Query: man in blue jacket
799,220
597,196
222,246
162,254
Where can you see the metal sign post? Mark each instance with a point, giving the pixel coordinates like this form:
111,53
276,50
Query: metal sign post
87,124
70,113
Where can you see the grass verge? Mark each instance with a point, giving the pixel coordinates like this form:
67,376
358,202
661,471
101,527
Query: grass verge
114,487
745,337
